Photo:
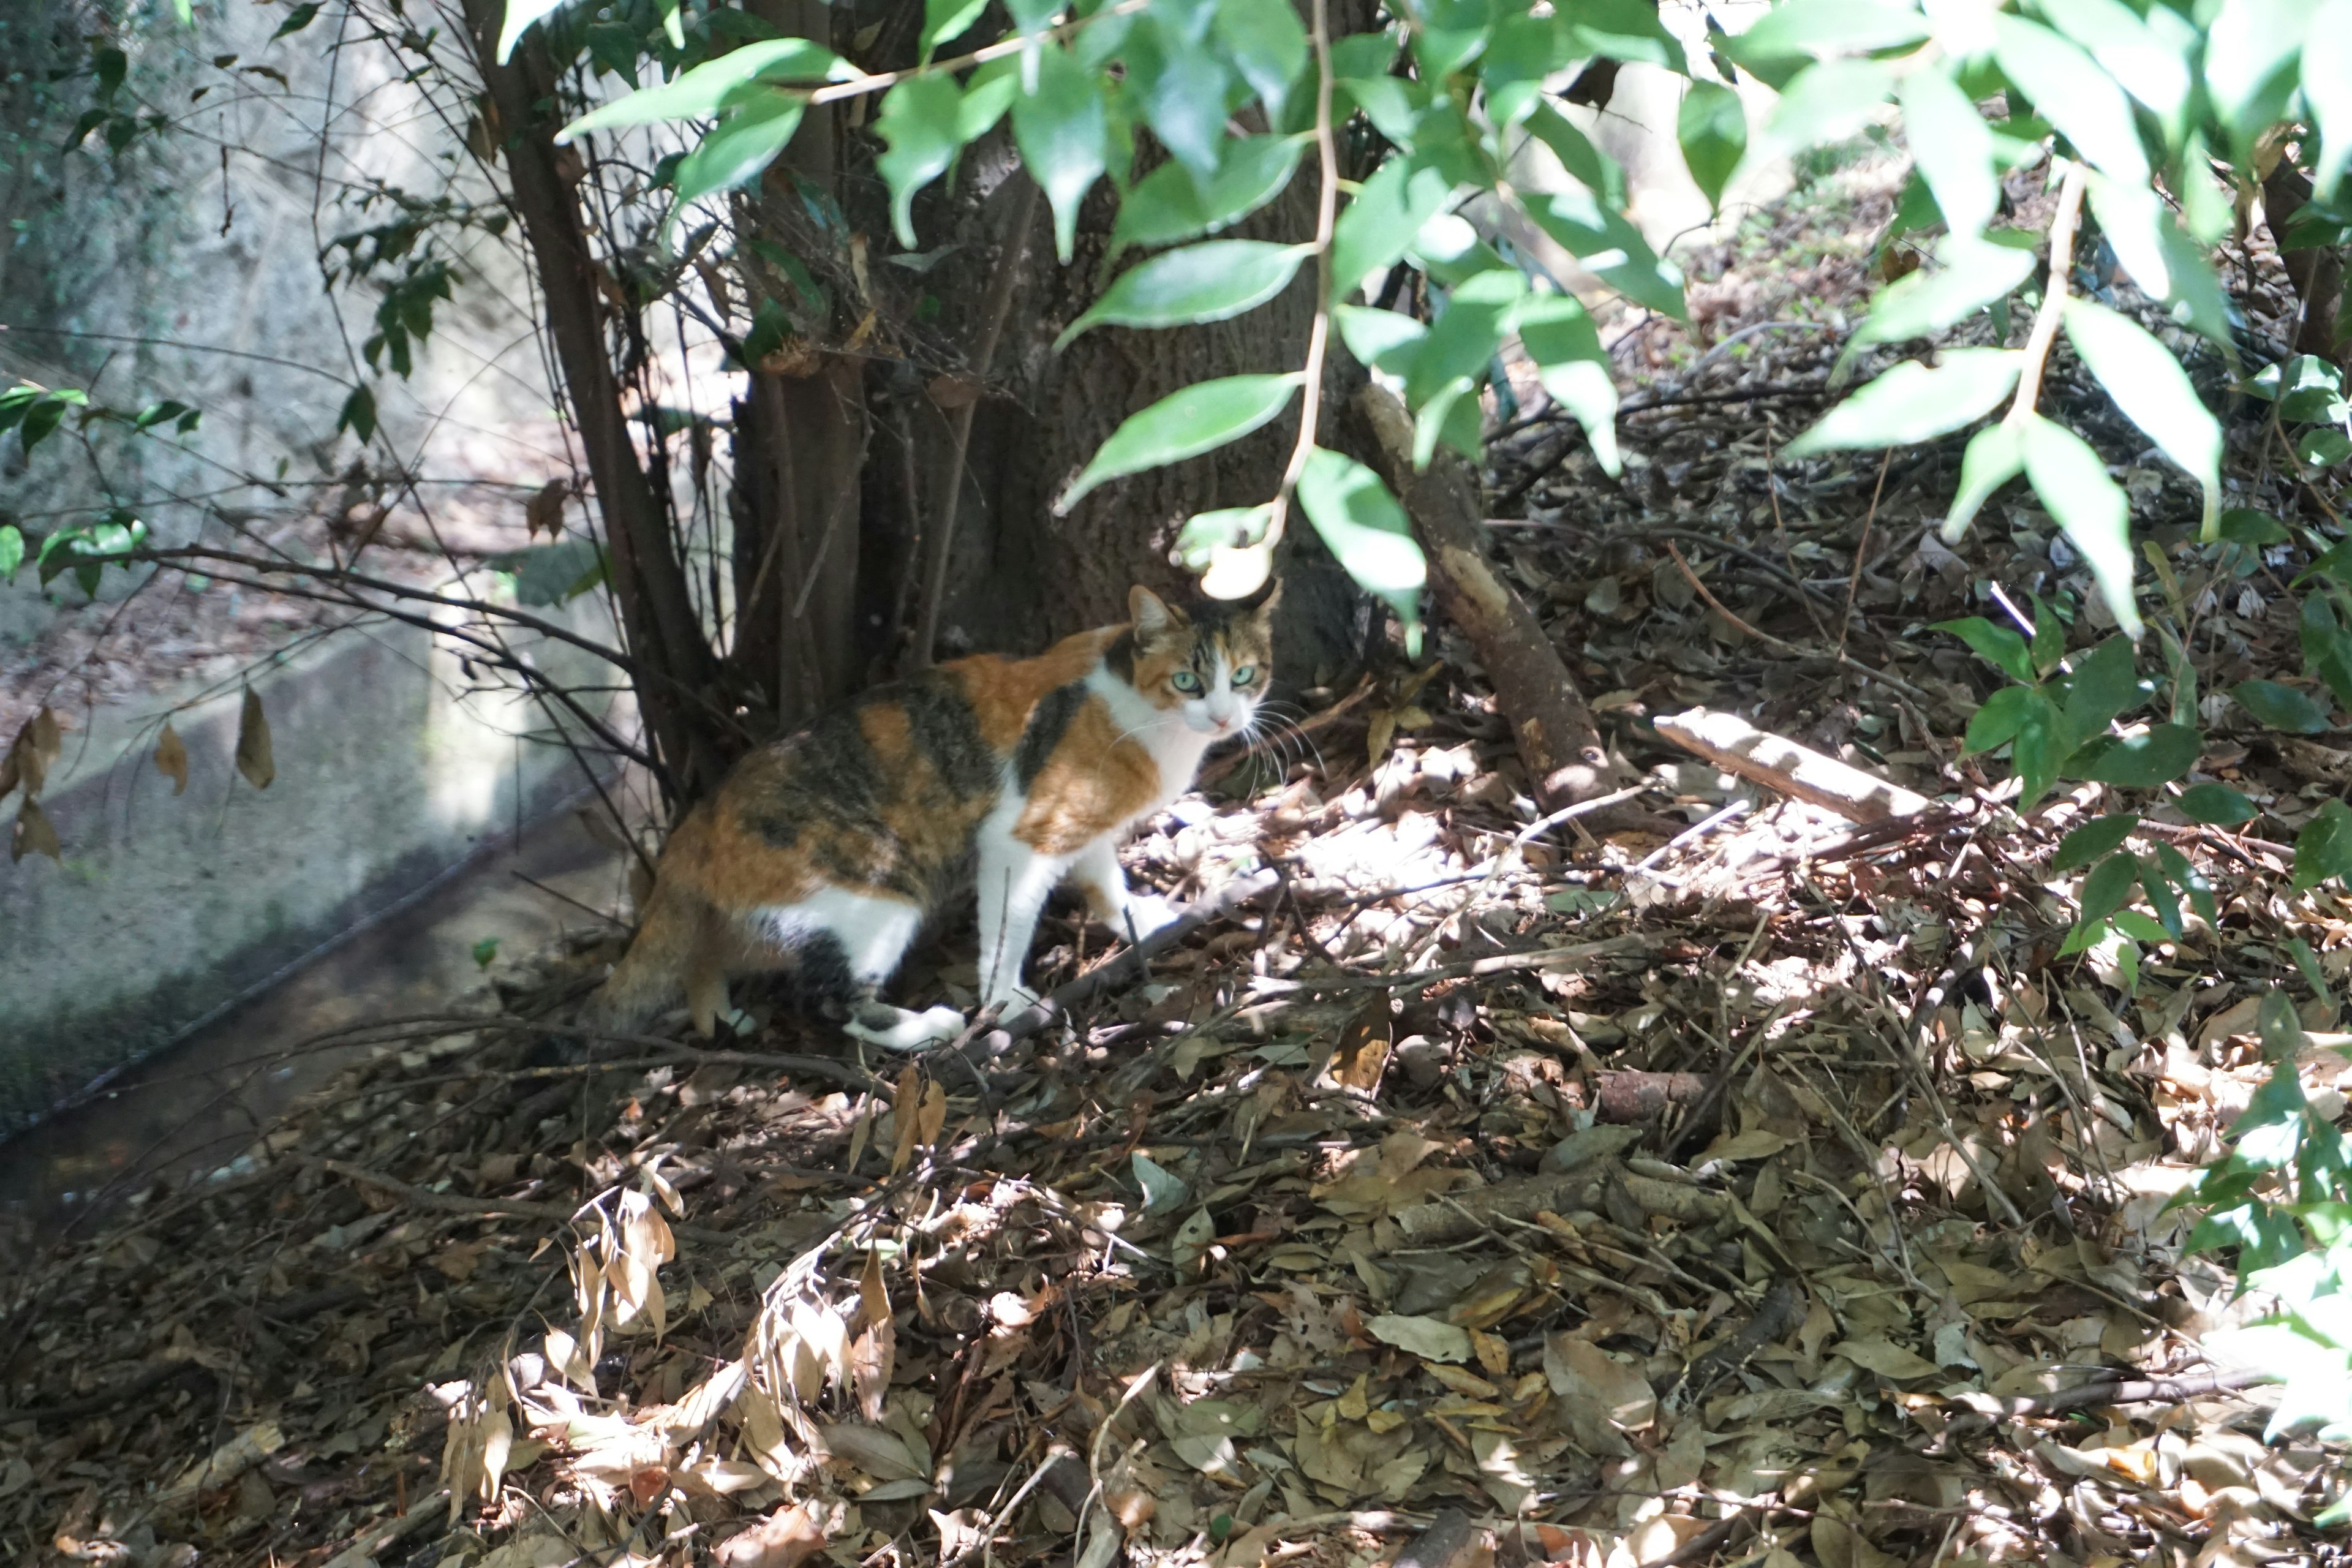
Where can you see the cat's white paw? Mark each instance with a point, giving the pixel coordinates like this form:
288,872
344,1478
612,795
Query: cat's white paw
898,1030
1146,914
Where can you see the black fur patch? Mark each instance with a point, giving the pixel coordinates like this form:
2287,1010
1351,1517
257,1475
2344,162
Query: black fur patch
1119,658
822,980
1045,729
940,720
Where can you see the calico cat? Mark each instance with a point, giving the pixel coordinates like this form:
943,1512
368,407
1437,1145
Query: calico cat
826,850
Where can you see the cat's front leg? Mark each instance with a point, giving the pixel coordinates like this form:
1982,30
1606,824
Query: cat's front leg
1132,915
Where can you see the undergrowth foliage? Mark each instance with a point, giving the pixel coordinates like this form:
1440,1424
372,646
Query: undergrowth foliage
2152,124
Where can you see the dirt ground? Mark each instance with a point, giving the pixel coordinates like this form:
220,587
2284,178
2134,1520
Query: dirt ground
1773,1192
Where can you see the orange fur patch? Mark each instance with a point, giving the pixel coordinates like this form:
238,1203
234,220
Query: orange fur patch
1095,779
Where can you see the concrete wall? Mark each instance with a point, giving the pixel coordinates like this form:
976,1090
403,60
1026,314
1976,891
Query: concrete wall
164,908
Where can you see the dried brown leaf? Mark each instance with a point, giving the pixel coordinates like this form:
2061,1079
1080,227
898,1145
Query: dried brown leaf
545,509
254,758
172,758
34,836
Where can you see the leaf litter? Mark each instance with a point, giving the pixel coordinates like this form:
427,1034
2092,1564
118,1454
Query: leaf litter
1766,1190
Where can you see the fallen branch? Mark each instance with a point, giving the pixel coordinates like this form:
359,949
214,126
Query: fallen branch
1550,723
2109,1391
1787,768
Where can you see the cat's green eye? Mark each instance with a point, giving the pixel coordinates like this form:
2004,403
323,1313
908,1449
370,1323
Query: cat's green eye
1246,676
1187,682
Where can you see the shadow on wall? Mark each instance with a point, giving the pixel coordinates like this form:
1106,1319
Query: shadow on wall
164,908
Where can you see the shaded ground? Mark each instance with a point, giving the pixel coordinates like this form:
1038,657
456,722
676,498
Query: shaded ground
1776,1194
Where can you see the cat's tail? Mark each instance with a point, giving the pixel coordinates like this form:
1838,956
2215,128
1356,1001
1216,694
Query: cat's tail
676,944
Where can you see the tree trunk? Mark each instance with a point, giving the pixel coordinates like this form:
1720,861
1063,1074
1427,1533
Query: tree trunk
663,633
800,445
2316,271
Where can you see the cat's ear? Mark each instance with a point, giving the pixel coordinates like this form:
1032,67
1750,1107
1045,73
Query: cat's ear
1268,597
1151,616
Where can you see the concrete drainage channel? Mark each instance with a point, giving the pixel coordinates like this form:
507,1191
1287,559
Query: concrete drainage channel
184,939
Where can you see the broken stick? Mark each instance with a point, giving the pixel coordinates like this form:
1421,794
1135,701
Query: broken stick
1551,723
1737,746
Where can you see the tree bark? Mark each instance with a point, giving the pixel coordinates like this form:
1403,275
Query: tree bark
801,444
2317,272
664,633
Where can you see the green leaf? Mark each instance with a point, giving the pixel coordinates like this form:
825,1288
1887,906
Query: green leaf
1952,148
2323,448
11,552
2049,644
2156,756
2217,806
2149,385
1826,103
1362,522
919,120
1211,281
946,20
2002,715
1974,274
1450,414
297,19
2039,751
2093,840
359,414
1621,30
1266,45
2138,927
1557,332
1182,90
745,143
1365,531
1995,645
2241,525
2324,848
1185,424
2162,260
2151,68
2110,881
1168,205
718,84
1588,165
2105,684
1713,130
554,574
1818,29
1384,340
2250,50
1467,333
1996,454
2070,91
1912,403
2090,508
1233,528
986,96
2278,707
2327,88
520,15
1063,133
2190,880
2307,388
1376,226
1610,248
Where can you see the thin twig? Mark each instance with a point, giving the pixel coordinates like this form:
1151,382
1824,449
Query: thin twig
1893,682
1319,333
2054,294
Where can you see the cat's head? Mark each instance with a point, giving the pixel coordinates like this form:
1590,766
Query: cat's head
1210,661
